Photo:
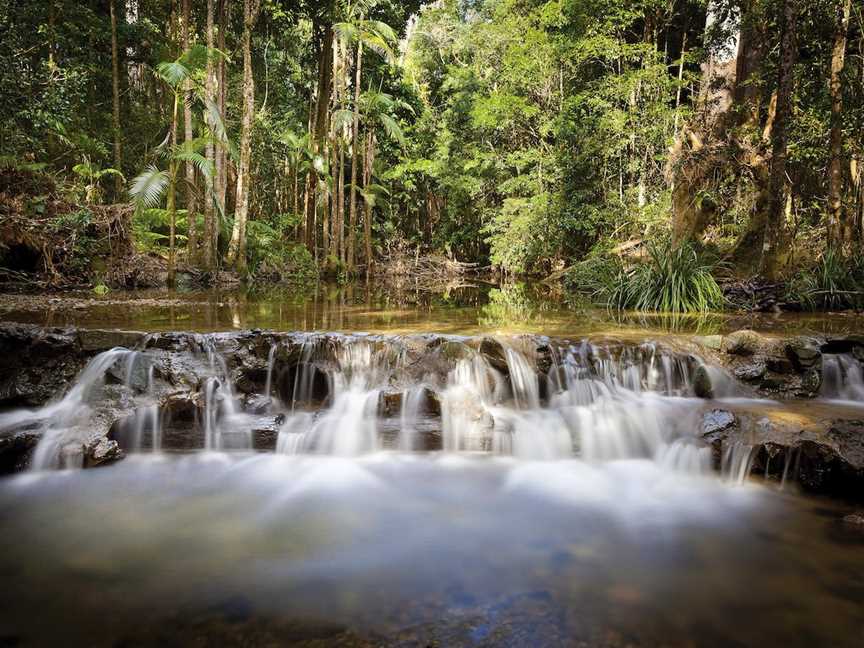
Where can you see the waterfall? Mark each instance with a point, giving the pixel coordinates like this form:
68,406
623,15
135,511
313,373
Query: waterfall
413,399
842,377
737,461
224,427
65,423
268,385
349,426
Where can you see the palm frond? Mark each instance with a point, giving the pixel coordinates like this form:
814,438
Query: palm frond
173,73
392,128
147,188
204,165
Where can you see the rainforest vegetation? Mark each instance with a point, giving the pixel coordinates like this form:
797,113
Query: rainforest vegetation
647,153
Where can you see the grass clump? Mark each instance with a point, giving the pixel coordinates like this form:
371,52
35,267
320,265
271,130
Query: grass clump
835,282
671,280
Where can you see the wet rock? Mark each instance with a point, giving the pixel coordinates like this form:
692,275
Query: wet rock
804,352
744,343
751,371
101,340
390,403
702,386
16,448
257,404
716,421
492,350
102,451
181,407
811,381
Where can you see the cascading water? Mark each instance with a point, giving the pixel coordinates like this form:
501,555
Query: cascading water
225,427
349,425
65,423
842,378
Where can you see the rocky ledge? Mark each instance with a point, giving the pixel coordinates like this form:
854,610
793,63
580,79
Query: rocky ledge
792,434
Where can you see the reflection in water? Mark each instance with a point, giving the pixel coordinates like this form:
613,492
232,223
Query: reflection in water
322,307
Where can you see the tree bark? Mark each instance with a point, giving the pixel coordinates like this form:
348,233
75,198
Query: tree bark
355,161
189,135
115,95
237,247
368,161
837,235
172,198
776,234
222,161
210,228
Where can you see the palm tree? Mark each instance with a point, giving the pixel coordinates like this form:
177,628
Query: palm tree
379,37
149,187
377,113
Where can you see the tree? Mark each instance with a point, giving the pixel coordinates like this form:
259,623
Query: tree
237,247
149,188
775,245
838,229
115,101
189,135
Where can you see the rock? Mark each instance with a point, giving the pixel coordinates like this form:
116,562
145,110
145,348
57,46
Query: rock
713,342
101,452
16,447
811,381
492,350
102,340
744,343
257,404
804,352
702,386
390,403
855,519
717,420
751,371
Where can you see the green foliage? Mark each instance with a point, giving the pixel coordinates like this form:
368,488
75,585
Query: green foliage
833,283
673,279
273,255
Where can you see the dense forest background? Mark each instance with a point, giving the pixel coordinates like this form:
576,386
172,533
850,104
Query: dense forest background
572,138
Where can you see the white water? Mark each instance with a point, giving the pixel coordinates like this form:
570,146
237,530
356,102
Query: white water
65,423
842,378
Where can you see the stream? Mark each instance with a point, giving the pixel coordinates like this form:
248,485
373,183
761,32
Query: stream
357,468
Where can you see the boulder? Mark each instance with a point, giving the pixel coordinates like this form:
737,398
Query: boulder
804,352
744,343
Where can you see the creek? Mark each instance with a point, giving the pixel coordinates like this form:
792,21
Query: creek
464,473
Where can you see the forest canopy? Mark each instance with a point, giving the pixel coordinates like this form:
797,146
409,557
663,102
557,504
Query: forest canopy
583,139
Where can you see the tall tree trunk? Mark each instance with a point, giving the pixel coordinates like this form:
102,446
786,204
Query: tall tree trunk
172,198
340,215
776,233
368,161
355,161
237,248
189,135
836,222
222,161
210,226
319,144
115,95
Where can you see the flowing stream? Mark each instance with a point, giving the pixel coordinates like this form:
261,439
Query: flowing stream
520,492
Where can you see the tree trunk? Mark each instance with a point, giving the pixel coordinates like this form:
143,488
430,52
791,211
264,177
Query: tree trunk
368,161
237,248
115,93
210,227
340,215
775,247
189,135
222,161
836,222
172,198
355,162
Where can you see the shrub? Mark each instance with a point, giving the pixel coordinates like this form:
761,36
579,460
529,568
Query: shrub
672,280
833,283
272,256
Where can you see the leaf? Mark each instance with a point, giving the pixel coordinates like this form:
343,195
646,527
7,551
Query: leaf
392,128
148,187
174,73
204,165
